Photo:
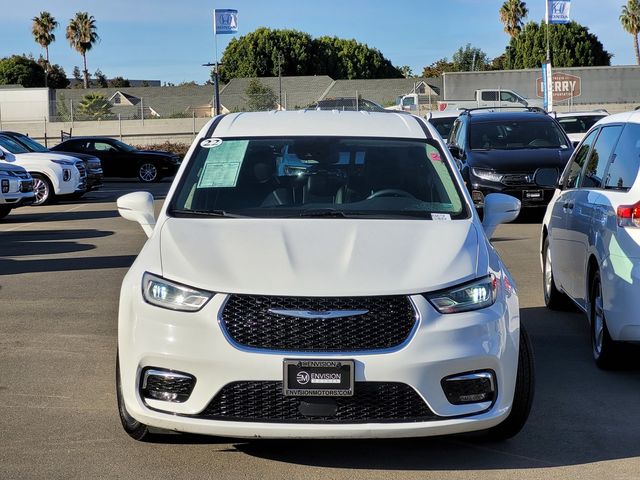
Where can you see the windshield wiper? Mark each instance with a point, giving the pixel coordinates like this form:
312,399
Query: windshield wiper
322,212
202,213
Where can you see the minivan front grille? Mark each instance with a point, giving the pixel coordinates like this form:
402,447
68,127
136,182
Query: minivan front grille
318,324
263,401
517,179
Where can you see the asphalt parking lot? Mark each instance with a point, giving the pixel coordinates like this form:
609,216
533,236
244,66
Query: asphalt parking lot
60,273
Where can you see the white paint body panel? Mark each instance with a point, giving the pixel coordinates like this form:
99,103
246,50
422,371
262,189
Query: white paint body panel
36,162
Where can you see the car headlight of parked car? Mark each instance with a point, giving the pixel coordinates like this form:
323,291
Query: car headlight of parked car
475,295
487,175
174,296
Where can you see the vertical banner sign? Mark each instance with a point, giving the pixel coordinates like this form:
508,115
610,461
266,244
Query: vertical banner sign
545,82
558,11
225,21
549,88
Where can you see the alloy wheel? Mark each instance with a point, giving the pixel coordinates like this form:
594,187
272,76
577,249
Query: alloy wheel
148,172
598,321
41,191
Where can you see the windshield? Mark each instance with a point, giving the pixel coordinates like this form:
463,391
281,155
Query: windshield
123,146
512,135
318,176
12,146
580,124
443,125
31,144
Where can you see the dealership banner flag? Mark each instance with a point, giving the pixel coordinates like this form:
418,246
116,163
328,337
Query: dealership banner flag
558,11
225,21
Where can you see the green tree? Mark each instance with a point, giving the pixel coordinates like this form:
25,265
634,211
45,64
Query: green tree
21,70
101,79
82,36
62,111
94,106
261,97
42,29
437,68
572,45
406,71
512,14
119,82
630,19
56,77
468,59
265,52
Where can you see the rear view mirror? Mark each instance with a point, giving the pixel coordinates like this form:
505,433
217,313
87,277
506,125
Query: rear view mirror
499,208
456,152
138,207
546,177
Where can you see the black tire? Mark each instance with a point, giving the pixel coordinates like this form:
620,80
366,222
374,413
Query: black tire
554,299
4,211
135,429
523,395
606,351
43,189
148,172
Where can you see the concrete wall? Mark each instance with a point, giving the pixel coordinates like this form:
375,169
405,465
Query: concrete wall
600,85
149,132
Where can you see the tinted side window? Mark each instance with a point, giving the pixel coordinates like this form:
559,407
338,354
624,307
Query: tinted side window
626,159
571,175
599,157
490,96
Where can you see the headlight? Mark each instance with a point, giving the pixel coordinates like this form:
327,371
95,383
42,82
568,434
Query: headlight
165,294
67,163
478,294
487,175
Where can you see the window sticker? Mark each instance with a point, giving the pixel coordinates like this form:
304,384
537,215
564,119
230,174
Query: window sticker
435,156
211,142
223,163
440,216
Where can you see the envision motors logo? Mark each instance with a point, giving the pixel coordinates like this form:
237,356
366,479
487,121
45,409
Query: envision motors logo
303,378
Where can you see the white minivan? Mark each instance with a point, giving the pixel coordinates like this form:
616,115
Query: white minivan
350,293
590,242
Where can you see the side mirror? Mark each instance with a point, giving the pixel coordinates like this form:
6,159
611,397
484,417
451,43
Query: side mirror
499,208
456,152
546,177
138,207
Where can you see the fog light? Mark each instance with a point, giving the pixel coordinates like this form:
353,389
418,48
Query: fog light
166,385
478,198
66,175
5,185
476,387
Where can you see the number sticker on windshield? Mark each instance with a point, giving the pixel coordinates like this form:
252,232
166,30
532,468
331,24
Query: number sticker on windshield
211,142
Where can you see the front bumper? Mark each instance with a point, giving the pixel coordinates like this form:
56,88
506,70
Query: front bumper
94,179
530,195
194,343
15,200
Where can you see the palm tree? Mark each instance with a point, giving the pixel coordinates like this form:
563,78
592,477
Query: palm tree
630,19
42,30
512,14
81,33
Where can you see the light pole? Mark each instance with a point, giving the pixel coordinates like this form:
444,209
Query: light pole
280,79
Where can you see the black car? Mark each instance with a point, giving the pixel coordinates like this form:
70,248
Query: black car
91,162
499,151
121,160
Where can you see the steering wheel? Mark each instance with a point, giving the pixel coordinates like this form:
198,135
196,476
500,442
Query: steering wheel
390,192
539,142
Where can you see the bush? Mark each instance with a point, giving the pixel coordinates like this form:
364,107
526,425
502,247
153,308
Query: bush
178,148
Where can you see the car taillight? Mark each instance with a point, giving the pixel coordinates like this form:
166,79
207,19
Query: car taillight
629,215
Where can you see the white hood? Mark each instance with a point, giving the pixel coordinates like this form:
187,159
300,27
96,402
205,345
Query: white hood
318,257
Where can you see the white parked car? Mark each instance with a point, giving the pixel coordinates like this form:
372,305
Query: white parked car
357,297
443,121
577,124
16,188
53,174
590,242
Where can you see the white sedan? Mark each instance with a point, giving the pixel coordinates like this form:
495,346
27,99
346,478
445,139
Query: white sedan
590,242
357,297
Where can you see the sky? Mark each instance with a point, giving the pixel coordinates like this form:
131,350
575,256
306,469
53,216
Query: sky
170,40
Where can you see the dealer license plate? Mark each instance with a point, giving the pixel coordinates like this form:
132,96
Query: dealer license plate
533,195
318,378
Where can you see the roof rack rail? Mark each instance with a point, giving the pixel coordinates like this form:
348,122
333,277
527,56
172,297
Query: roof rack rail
489,109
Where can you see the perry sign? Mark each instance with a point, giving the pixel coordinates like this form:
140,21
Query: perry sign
563,85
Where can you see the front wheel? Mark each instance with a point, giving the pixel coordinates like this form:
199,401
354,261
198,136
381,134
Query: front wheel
554,299
43,189
4,211
148,172
523,395
135,429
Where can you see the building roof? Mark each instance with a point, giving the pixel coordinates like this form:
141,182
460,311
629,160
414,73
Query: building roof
383,91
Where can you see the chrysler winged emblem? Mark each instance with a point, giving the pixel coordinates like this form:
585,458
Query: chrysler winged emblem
317,314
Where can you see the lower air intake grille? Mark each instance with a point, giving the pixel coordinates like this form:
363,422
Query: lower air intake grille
372,402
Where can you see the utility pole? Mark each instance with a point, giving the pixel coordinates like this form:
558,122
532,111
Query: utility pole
280,79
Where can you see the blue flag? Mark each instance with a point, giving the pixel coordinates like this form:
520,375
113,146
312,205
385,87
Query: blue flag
558,11
225,21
